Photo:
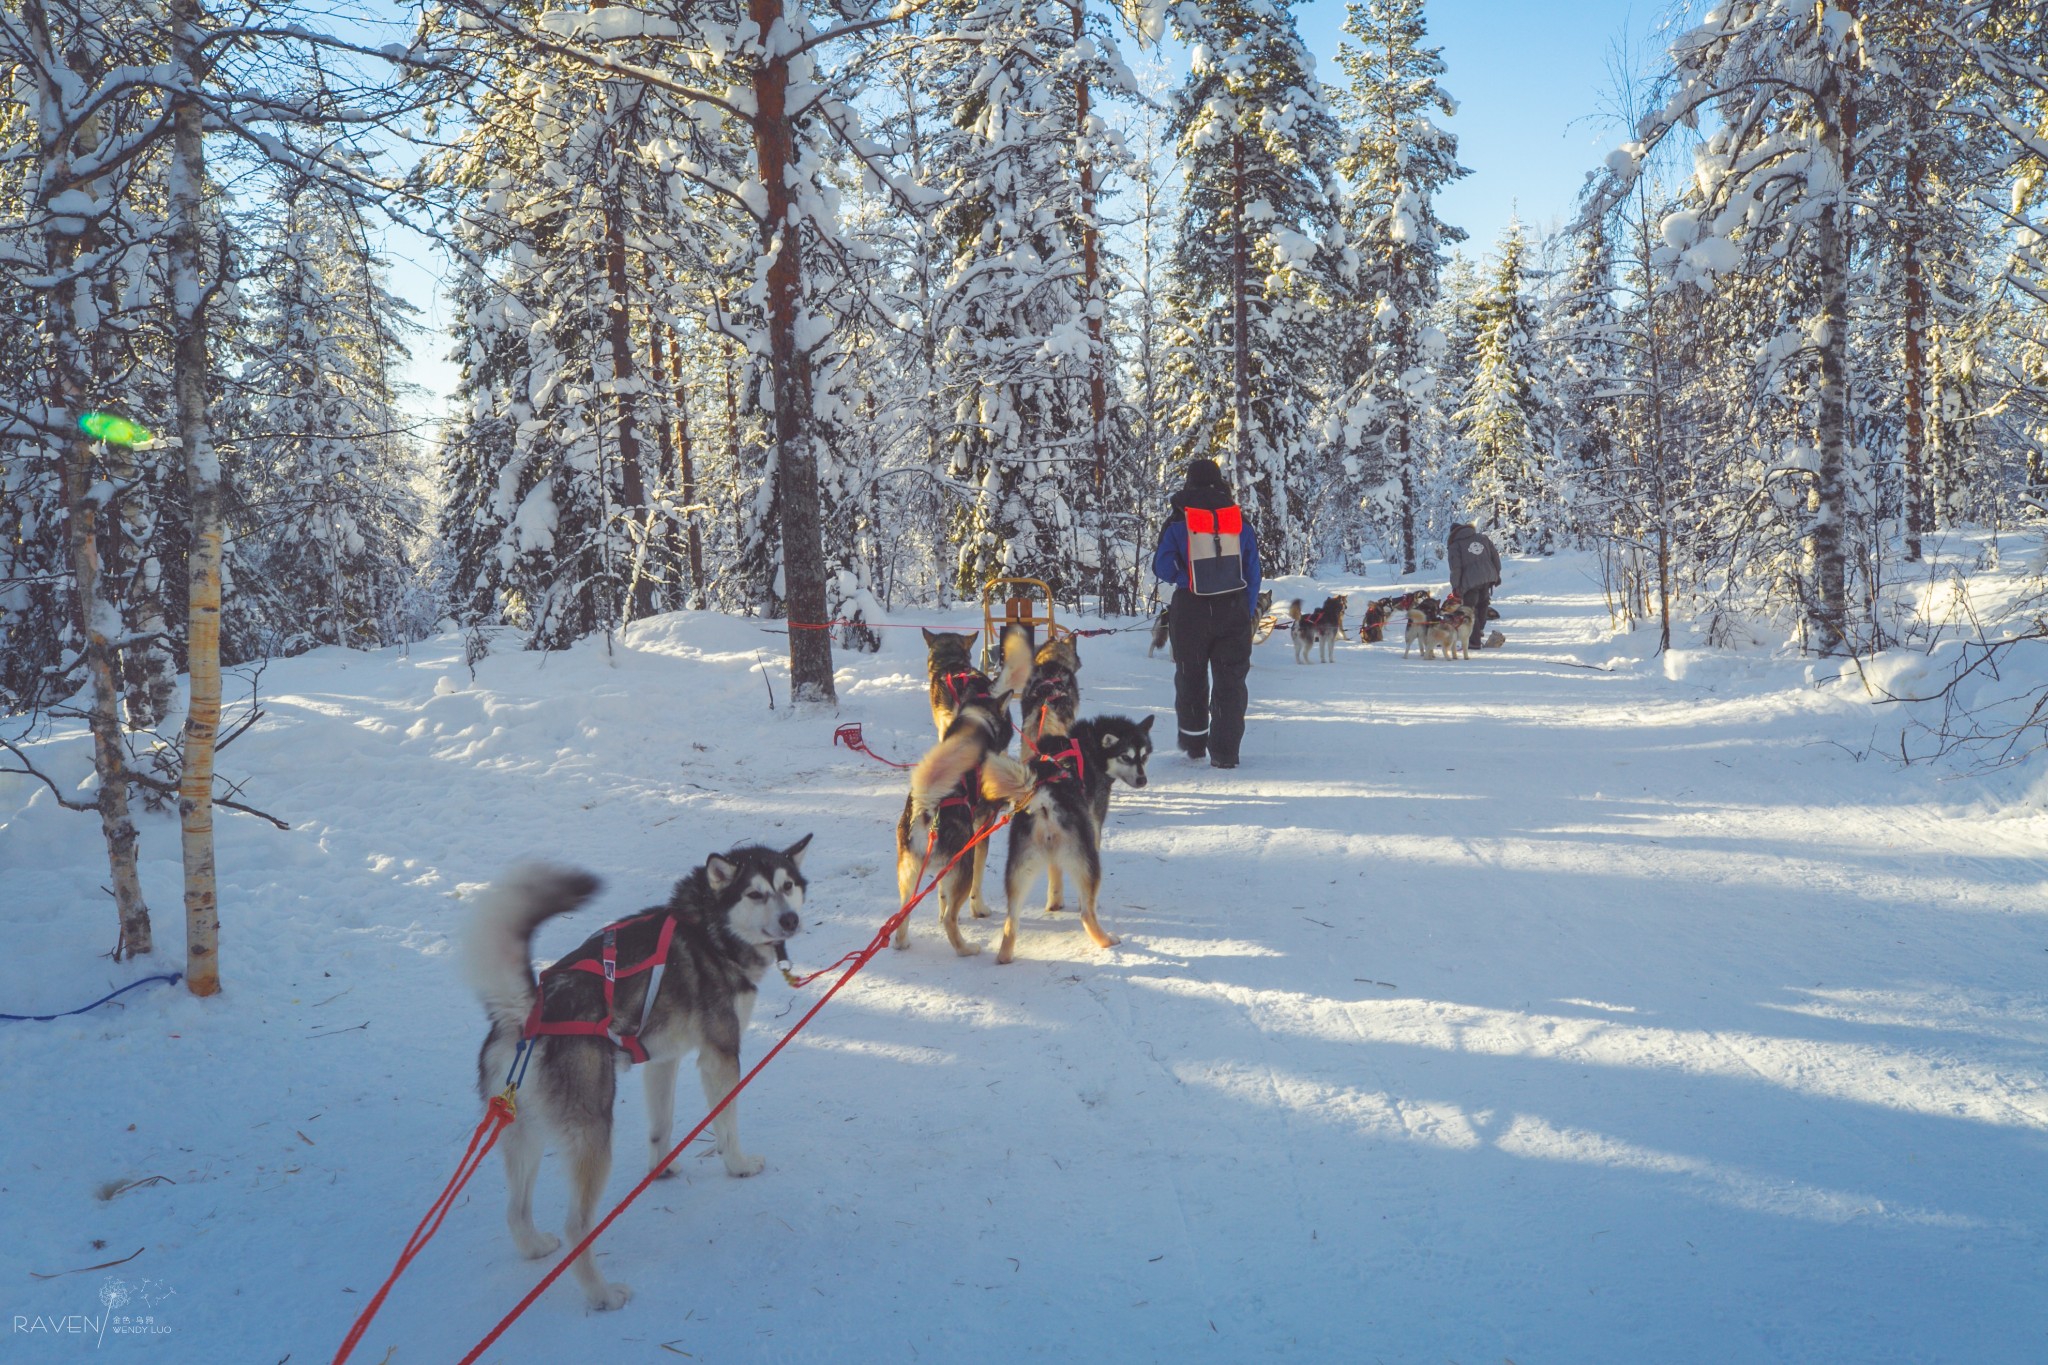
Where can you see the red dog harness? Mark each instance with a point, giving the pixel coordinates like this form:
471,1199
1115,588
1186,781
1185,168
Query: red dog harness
606,964
1058,758
950,681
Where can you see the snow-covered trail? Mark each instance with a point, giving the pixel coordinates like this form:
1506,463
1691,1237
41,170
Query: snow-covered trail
1553,1006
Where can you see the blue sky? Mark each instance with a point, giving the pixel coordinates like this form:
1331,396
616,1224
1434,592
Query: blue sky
1528,76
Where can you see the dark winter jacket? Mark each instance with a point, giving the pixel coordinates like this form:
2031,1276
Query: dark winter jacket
1170,560
1474,562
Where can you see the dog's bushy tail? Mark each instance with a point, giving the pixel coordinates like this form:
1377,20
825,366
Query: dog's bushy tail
1004,779
1016,669
950,760
498,953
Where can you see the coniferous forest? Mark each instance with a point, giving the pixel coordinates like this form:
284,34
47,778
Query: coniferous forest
816,311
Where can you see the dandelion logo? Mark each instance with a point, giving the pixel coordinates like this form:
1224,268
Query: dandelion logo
113,1295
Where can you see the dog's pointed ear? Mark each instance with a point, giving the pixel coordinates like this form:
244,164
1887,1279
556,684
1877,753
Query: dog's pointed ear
1108,742
719,871
1002,699
930,638
968,637
795,852
1145,725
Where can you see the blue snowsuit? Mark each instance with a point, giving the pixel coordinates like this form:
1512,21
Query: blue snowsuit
1211,629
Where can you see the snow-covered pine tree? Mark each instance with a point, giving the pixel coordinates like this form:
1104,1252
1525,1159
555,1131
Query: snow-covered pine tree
330,509
1020,357
1777,179
550,177
1508,416
1396,160
1254,265
1582,339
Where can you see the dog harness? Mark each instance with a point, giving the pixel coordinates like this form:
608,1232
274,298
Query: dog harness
1058,759
954,688
606,964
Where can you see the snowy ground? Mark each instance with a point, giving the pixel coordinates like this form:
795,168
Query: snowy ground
1559,1006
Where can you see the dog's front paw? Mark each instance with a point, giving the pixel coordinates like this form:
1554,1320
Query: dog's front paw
536,1244
1054,907
744,1165
966,947
978,909
612,1296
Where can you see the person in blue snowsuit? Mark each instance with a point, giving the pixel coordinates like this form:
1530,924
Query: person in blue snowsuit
1208,552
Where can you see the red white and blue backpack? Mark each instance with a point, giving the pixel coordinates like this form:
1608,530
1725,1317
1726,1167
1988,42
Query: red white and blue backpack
1215,550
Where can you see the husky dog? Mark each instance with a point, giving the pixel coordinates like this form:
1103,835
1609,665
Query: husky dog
1417,633
727,917
946,806
1450,630
1063,798
1052,694
1319,629
955,679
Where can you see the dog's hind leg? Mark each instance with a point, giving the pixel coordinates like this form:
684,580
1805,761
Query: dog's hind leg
522,1146
1025,860
1088,871
907,866
1055,889
659,1078
719,1068
589,1152
952,891
979,908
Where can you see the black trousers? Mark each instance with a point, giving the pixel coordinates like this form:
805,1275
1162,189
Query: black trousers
1212,639
1477,599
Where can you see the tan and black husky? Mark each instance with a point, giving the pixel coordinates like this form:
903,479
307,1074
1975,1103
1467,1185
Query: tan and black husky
944,808
1451,632
727,919
1052,695
955,680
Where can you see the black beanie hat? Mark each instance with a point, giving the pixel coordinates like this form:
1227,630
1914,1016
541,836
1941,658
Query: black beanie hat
1204,474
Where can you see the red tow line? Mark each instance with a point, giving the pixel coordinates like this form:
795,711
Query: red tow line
849,735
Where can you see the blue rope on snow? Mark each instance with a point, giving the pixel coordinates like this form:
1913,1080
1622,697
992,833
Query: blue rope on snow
172,977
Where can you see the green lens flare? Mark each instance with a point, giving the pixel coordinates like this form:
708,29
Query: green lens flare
119,431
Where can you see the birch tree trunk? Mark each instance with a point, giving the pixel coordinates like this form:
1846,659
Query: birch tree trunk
1240,323
70,381
1911,245
1828,605
202,476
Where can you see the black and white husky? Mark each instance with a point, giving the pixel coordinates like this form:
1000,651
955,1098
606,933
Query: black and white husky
726,919
1063,799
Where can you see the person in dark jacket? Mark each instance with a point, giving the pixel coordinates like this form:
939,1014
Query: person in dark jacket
1475,573
1209,554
